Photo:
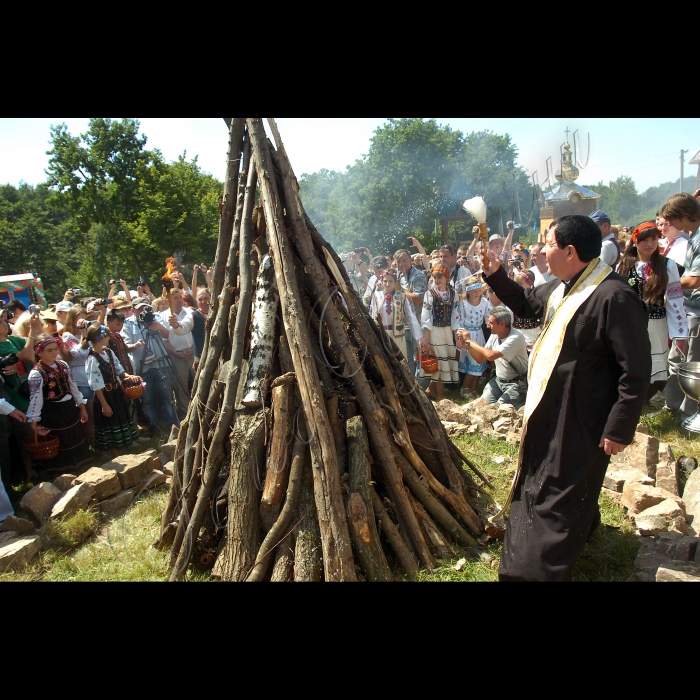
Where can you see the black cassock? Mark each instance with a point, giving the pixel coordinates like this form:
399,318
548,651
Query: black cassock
597,389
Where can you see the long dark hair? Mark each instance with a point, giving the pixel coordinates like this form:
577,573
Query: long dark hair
657,281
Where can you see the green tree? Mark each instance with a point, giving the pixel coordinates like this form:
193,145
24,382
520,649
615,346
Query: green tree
132,207
35,235
415,172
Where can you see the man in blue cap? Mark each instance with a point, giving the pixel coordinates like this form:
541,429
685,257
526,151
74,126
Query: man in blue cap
610,251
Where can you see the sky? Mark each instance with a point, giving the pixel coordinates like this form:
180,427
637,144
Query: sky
648,150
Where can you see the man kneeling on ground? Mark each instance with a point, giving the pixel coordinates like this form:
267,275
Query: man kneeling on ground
507,348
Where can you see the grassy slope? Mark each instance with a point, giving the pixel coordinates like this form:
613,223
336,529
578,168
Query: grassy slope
121,550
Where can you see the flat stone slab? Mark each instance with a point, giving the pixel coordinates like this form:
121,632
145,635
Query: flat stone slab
19,552
76,498
39,500
133,469
105,481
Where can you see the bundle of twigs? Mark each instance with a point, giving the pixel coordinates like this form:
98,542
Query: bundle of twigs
309,451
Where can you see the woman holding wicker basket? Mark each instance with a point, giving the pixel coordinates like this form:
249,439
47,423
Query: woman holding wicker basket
56,402
108,379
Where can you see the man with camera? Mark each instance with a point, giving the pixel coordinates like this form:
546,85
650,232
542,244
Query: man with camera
143,334
180,346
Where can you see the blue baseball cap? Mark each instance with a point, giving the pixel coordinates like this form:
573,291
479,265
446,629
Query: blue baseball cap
600,217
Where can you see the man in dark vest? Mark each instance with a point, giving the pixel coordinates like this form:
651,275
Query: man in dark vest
588,379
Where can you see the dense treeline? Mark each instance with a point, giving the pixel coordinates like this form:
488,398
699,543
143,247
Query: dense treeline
416,171
110,209
627,207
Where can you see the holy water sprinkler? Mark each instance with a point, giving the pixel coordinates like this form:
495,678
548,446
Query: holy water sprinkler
476,206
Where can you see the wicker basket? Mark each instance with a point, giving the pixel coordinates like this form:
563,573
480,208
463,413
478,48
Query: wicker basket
41,446
429,364
134,391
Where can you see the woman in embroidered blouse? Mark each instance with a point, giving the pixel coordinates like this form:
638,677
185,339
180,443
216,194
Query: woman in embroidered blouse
75,352
440,321
391,309
473,309
113,427
656,280
56,401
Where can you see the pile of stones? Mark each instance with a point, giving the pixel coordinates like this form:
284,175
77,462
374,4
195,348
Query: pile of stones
499,421
109,489
661,493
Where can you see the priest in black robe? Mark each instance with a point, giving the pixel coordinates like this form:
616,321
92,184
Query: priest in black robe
588,379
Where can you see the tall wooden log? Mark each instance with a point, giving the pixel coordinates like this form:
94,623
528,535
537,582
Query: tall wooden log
408,562
280,529
359,506
423,494
215,453
308,565
263,336
373,414
438,543
279,461
237,559
335,538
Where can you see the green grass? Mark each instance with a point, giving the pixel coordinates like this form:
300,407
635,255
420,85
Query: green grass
121,550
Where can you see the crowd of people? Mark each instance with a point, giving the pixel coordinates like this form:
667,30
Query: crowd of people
70,370
440,305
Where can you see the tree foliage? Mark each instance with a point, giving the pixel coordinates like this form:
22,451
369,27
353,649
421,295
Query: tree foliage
132,209
415,172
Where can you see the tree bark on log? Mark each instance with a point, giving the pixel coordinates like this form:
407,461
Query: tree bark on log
308,565
283,570
373,414
279,529
431,504
437,542
237,558
278,463
215,453
408,562
359,506
263,336
338,561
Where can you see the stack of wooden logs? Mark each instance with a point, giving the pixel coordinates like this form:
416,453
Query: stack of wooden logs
309,451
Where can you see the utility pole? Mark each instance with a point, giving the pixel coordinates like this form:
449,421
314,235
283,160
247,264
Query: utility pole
682,152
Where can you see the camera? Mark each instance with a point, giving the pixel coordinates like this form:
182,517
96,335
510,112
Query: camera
82,323
344,257
104,302
34,309
113,281
143,282
517,262
8,361
76,291
147,316
8,314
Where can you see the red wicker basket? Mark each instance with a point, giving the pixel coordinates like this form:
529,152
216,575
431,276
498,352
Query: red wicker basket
134,391
429,364
41,446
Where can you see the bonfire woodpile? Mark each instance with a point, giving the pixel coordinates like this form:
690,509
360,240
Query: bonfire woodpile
309,452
